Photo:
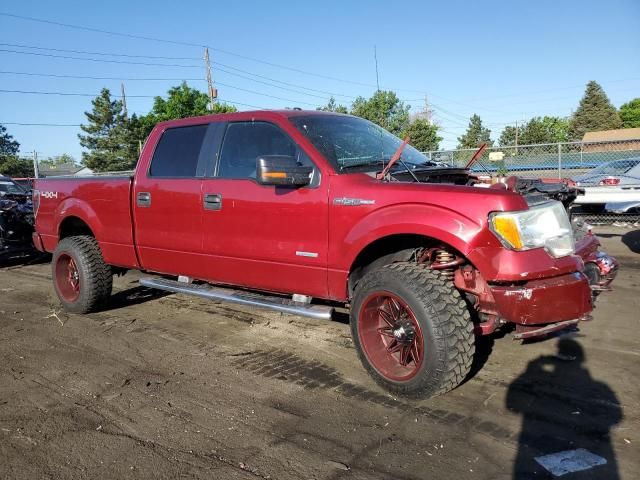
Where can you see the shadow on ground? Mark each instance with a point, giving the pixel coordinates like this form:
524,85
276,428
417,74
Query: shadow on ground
133,296
21,259
563,408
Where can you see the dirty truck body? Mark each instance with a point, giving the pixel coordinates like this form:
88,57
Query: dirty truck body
292,203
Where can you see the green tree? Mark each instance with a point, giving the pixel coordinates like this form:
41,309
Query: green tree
475,135
545,129
10,163
423,135
106,136
594,113
630,114
332,106
385,109
182,101
14,166
508,135
64,159
8,146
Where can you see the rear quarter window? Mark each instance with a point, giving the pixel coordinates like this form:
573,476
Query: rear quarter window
178,152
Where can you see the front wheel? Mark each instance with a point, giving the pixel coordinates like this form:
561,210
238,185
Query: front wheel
412,330
81,279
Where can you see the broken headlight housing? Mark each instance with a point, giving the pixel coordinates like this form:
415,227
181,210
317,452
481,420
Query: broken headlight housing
546,225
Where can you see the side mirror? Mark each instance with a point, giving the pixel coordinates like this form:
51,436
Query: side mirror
281,170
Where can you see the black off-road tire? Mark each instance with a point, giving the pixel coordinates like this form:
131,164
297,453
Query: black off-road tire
94,275
443,317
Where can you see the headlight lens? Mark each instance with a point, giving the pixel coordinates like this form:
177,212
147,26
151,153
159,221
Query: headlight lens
545,225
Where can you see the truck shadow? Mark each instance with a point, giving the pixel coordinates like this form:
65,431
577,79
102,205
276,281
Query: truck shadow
133,296
563,409
23,259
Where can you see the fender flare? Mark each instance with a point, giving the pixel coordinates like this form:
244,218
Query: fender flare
440,223
73,207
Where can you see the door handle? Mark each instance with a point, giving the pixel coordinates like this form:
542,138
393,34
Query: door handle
143,199
212,201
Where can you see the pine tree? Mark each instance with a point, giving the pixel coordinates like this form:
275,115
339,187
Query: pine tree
423,135
594,113
108,136
475,135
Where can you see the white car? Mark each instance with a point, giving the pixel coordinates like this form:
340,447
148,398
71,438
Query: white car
616,181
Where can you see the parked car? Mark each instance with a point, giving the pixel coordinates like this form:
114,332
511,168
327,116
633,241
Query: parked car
16,219
304,205
616,181
25,183
8,185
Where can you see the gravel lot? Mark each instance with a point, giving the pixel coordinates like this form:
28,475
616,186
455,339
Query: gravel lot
165,386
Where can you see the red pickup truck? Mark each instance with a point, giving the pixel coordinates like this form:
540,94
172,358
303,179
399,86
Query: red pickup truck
299,206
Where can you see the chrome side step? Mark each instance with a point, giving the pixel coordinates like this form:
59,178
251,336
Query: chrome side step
237,296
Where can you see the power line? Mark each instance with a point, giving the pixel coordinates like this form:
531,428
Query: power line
69,57
86,77
85,52
190,44
69,94
76,94
218,64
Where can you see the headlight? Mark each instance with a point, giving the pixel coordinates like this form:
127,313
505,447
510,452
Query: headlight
545,225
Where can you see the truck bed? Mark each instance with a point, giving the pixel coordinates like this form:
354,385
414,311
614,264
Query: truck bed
102,202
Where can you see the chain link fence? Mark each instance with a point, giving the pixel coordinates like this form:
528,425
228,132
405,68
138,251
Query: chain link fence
574,160
588,163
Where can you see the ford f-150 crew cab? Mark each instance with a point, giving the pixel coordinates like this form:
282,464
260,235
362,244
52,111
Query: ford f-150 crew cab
279,208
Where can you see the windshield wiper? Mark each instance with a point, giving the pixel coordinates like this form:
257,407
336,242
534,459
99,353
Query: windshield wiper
362,165
394,159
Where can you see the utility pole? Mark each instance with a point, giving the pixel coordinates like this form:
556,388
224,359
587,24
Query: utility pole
124,100
375,57
516,137
36,173
428,113
213,91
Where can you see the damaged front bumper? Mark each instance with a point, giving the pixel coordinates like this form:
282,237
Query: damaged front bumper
544,301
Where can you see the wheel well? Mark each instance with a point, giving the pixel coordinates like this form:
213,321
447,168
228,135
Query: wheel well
386,250
72,226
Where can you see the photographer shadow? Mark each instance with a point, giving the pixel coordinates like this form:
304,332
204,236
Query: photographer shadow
563,409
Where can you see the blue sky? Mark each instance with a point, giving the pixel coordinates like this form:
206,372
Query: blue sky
504,60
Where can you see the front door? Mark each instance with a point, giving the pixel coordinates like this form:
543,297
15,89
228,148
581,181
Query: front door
267,237
167,203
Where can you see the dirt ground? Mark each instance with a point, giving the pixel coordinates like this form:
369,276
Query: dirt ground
165,386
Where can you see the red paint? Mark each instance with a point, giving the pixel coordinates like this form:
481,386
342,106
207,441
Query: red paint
548,300
252,241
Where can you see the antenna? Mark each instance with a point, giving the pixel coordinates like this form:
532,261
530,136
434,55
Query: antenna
375,57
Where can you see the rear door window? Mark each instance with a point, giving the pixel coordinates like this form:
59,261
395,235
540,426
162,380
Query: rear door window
178,153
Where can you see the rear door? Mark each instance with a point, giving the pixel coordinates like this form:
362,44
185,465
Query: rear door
167,202
266,237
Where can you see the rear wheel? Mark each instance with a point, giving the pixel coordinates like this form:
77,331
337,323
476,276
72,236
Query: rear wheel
412,330
81,279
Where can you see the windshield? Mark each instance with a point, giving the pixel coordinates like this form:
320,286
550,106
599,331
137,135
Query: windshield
354,142
616,168
9,187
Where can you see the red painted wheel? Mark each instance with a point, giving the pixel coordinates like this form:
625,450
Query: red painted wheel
67,277
81,278
391,336
411,329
